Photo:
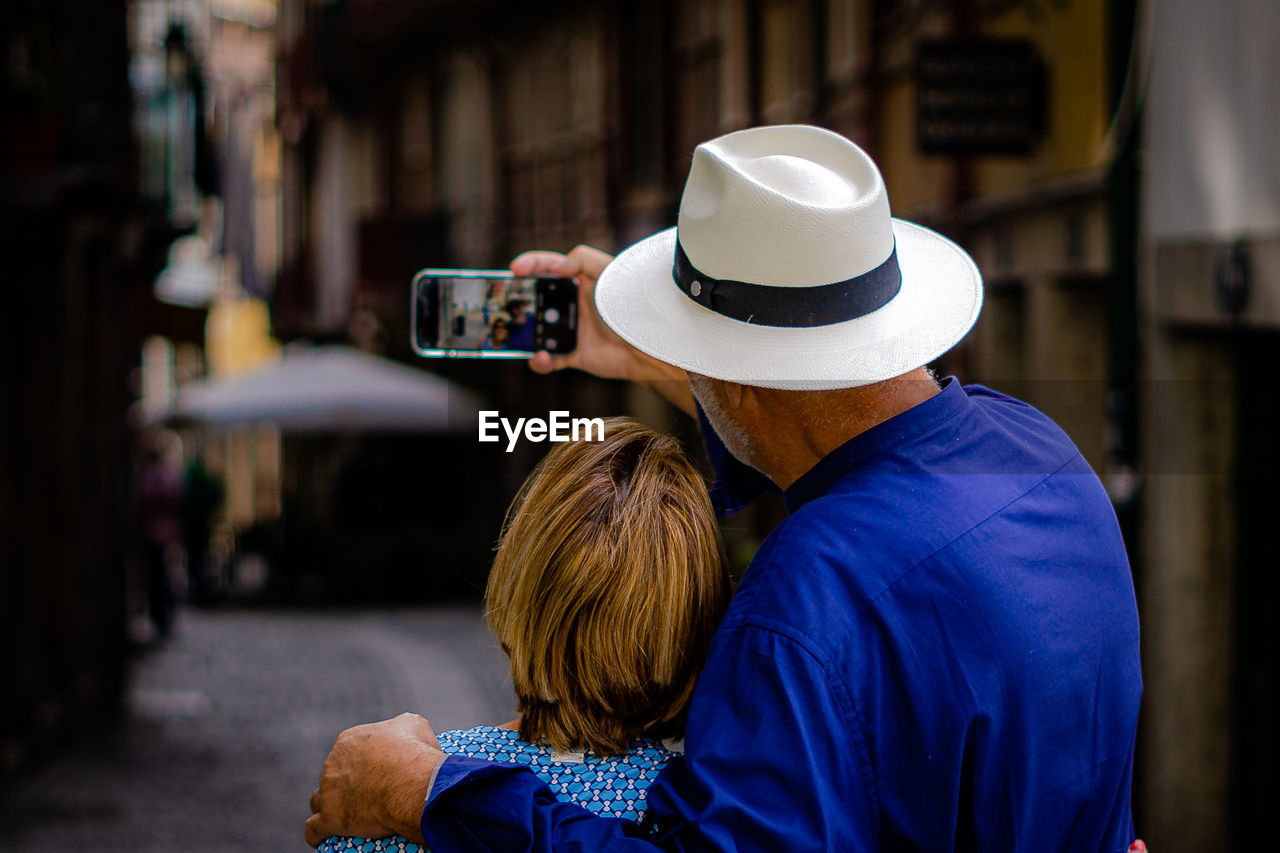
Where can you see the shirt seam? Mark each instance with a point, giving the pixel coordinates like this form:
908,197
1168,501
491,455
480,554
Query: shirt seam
1118,756
845,698
954,539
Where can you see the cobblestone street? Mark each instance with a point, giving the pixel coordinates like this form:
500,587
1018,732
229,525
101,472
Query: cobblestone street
230,720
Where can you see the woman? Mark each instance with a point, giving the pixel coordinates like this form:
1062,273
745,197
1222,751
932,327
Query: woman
607,586
499,332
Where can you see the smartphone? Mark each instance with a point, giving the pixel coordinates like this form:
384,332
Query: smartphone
492,314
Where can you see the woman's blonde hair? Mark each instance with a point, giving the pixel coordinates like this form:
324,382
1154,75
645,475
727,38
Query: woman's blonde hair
608,583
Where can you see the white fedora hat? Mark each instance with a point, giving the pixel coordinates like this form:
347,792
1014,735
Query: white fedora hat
786,270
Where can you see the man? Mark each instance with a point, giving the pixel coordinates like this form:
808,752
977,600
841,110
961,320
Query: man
521,325
936,650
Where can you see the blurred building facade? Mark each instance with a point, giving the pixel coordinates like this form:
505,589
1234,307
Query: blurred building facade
1209,319
1108,164
226,267
129,206
83,240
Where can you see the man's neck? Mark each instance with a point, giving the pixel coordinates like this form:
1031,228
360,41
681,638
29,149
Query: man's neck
804,427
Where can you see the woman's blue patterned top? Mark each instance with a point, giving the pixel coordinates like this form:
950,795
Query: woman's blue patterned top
613,787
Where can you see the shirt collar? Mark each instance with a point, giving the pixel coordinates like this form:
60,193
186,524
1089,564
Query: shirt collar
895,432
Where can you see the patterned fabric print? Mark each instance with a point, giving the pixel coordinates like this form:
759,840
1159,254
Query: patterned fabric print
613,787
392,844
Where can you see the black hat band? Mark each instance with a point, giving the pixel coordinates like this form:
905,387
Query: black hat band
768,305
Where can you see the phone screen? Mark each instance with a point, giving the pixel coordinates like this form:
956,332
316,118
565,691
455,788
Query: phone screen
491,314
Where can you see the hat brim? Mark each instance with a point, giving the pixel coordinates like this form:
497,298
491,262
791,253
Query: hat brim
937,305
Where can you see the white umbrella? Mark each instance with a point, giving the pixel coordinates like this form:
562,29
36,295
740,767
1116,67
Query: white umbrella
329,389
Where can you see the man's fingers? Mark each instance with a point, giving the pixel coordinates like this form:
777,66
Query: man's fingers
582,260
542,362
547,263
589,260
545,362
374,780
598,350
418,727
313,831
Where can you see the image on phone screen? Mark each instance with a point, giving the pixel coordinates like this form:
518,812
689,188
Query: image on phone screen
491,314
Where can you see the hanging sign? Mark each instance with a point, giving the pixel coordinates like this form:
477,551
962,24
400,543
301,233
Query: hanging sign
979,96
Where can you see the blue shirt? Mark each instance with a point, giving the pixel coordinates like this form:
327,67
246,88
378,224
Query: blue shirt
522,335
936,650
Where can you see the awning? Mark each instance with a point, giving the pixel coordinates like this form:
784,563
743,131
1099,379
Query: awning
329,389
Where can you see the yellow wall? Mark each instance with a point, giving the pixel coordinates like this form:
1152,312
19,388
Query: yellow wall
237,339
1071,38
913,180
238,336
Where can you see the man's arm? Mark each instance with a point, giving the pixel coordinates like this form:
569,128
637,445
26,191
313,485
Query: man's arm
773,762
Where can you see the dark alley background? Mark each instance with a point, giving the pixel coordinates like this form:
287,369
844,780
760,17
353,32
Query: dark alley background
194,600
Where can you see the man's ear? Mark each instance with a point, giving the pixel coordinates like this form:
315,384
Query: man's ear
749,401
753,402
733,393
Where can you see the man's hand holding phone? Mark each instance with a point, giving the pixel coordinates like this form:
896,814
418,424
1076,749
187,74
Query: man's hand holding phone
486,314
600,351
